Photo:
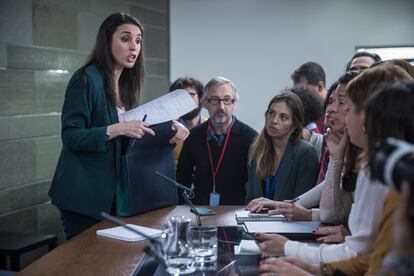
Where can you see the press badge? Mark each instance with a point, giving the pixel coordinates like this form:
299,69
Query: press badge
214,199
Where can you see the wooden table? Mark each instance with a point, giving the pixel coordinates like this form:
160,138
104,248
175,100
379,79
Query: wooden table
89,254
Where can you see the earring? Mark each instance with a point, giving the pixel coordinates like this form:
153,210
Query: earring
364,129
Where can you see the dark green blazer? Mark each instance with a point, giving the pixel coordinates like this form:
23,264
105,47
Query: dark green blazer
297,173
88,168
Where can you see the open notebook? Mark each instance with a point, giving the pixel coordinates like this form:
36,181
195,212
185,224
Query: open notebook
244,216
121,233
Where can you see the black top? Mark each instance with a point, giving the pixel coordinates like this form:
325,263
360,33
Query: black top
194,164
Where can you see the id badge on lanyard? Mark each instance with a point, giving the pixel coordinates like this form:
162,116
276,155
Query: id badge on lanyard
215,197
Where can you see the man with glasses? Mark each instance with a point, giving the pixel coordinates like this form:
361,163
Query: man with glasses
213,160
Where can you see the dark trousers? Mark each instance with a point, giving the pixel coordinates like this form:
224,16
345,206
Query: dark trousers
75,223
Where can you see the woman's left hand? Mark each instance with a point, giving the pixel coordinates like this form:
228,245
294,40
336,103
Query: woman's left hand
332,234
181,132
271,244
280,266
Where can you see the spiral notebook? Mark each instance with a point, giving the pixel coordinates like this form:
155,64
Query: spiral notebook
245,216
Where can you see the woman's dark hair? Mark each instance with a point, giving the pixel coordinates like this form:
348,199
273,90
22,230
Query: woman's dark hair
184,82
405,65
351,166
331,89
262,150
390,113
131,79
312,104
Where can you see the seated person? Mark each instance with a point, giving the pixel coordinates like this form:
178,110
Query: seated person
214,157
313,110
373,201
397,215
334,198
276,168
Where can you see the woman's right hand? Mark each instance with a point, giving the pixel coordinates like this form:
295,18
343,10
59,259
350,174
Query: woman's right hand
133,129
337,143
259,203
292,211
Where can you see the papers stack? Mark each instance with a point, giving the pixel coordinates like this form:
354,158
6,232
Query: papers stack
121,233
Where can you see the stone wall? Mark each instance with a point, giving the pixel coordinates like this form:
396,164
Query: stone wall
42,42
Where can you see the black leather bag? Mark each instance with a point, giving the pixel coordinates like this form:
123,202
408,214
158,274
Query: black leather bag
140,189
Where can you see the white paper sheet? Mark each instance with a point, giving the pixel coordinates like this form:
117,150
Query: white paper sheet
282,227
168,107
121,233
249,246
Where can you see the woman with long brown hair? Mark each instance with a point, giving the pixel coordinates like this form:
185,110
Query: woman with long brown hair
276,167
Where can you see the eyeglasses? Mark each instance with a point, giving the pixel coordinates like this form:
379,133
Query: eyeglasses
216,101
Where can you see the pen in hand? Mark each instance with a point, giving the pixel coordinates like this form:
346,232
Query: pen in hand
143,119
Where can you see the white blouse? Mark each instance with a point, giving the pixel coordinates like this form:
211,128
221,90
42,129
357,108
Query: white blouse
363,223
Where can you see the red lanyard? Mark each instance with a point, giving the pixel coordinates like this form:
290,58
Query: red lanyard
214,171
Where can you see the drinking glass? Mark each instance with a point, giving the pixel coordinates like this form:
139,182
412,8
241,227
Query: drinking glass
203,244
177,252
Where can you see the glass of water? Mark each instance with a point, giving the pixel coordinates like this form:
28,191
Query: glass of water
177,252
203,243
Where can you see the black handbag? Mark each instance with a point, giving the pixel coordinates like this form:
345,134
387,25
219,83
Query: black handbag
140,189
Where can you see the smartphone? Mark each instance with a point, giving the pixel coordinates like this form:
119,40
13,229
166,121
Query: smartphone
262,212
203,211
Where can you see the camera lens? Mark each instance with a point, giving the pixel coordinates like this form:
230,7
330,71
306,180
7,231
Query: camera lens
393,162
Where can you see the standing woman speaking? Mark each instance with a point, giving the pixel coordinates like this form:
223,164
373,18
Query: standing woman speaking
93,137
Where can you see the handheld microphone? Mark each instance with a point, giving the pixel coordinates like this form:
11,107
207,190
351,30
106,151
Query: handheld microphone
154,250
188,194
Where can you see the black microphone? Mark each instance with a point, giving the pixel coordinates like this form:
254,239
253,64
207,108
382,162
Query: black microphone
154,250
188,194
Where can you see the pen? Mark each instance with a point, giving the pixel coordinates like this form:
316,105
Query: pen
293,200
143,119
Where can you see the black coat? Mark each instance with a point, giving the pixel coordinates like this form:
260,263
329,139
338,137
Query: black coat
194,164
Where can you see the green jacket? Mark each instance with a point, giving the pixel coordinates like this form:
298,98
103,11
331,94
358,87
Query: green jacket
297,173
88,168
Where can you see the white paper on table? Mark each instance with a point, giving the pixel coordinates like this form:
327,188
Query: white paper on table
249,246
121,233
168,107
